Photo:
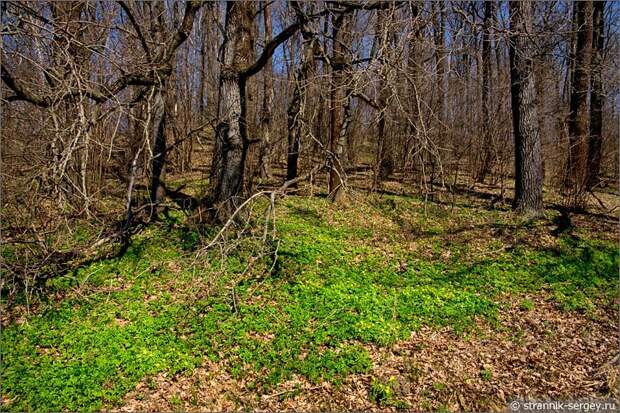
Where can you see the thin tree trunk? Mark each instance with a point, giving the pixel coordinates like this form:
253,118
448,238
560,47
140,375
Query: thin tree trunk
528,163
204,38
487,141
597,98
296,114
440,58
264,157
213,40
413,126
384,164
159,146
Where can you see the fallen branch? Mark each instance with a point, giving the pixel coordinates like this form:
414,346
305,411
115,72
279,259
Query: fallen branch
271,194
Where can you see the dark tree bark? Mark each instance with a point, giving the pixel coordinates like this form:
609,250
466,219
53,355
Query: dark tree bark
340,101
487,141
264,158
528,163
578,116
231,139
237,66
597,98
297,109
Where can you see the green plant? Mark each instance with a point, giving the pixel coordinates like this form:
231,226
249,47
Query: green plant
381,392
486,374
342,281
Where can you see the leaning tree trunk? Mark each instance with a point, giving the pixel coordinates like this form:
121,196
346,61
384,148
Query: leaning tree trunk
596,97
340,102
578,117
528,162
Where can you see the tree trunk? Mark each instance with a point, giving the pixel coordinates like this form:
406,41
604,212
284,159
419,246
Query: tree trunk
203,67
384,163
528,164
264,156
440,58
596,96
578,117
487,141
340,101
296,114
159,146
213,38
413,125
231,139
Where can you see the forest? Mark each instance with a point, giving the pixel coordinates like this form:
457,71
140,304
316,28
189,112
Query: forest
330,205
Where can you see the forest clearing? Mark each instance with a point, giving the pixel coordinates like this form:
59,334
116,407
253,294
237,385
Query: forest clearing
309,206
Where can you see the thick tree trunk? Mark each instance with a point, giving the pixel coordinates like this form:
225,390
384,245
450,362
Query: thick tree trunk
596,96
340,102
528,163
487,141
231,139
230,133
578,117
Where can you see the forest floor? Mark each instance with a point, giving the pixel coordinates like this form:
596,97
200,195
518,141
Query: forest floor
386,302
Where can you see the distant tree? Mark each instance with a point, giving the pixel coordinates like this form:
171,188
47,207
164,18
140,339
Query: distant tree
487,142
597,97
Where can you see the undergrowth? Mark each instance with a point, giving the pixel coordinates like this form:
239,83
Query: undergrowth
344,277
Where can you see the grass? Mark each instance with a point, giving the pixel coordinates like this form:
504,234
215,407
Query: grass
345,277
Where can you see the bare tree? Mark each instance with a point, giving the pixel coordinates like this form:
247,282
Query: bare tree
297,110
340,99
597,97
264,156
487,141
232,143
528,163
576,173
